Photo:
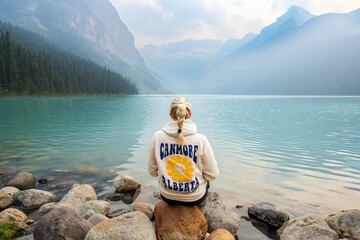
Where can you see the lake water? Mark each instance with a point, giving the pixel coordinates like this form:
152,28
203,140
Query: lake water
302,153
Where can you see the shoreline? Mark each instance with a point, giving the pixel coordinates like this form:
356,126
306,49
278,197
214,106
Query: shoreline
249,228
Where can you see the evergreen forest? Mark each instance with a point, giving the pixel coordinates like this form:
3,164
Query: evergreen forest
30,65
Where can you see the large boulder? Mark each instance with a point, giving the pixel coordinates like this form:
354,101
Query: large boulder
130,226
179,222
22,181
220,234
306,227
95,206
34,198
61,223
125,183
79,194
16,216
346,223
144,208
219,218
268,213
6,200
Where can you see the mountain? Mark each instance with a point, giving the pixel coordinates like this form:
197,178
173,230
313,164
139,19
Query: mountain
182,63
294,17
88,28
320,56
30,65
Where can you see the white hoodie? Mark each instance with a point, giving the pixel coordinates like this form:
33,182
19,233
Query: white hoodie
183,170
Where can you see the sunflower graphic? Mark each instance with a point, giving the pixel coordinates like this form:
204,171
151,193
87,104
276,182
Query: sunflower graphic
180,168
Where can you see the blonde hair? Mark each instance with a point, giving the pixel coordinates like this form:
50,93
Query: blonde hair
180,109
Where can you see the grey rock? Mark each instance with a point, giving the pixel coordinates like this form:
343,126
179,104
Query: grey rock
120,209
219,218
97,218
346,223
79,194
12,191
130,226
267,213
96,206
34,198
306,227
22,181
157,195
125,183
47,207
61,223
212,201
88,214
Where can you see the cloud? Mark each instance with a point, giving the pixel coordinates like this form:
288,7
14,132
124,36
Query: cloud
162,21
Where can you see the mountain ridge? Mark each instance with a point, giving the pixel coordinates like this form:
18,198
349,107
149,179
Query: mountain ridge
81,28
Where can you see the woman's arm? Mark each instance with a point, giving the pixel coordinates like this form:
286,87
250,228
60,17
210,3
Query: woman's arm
209,164
152,165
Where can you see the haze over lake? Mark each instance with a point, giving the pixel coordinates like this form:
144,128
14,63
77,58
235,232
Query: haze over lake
288,150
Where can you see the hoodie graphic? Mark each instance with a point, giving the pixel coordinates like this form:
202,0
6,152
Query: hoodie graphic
183,170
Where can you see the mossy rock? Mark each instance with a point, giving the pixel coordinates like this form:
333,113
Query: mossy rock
8,230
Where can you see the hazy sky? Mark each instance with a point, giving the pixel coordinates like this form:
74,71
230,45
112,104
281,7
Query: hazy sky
162,21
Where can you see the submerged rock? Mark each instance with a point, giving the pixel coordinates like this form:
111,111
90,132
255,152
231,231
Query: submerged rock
34,198
128,197
125,183
79,194
144,208
267,213
63,184
62,223
220,234
219,218
130,226
90,170
174,222
306,227
346,223
22,181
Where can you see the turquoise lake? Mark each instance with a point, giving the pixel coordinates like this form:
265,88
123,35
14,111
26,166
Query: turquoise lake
298,152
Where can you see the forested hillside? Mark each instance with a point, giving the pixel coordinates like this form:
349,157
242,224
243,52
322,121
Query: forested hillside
30,65
91,29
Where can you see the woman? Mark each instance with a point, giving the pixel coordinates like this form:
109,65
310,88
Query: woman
182,158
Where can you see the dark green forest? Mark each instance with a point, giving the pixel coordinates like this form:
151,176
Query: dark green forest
30,65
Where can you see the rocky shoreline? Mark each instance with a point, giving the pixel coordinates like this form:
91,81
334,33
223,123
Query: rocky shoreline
82,214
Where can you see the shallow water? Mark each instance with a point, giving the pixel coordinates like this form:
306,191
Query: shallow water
302,153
